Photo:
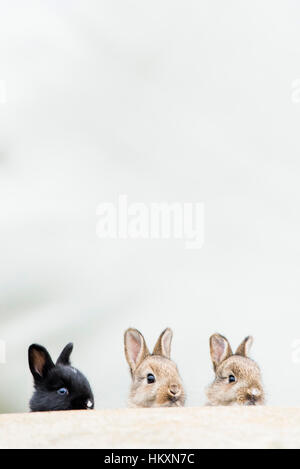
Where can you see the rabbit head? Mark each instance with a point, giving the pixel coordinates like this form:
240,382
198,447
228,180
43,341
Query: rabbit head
237,378
155,378
57,386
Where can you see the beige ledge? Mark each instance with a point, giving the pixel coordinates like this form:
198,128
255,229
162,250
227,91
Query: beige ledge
189,428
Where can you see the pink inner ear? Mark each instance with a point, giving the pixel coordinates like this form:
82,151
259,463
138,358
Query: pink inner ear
219,349
134,346
166,342
39,362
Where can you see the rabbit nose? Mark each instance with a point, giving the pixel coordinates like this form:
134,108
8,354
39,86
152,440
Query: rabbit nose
253,395
174,390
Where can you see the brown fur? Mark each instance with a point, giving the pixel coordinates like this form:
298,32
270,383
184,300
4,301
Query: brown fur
248,388
167,390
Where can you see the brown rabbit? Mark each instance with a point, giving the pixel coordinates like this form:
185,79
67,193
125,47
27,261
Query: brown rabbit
155,378
238,378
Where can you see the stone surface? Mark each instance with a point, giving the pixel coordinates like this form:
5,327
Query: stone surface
205,427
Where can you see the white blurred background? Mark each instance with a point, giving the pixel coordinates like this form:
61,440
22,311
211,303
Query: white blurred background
168,100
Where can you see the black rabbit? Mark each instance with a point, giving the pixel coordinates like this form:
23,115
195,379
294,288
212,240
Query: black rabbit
57,386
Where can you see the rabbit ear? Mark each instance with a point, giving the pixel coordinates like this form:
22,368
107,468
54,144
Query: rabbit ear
64,358
244,349
40,362
163,345
220,349
135,348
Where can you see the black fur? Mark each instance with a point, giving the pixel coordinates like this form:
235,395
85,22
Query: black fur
50,378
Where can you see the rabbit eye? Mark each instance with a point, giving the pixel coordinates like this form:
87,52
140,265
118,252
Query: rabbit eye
150,378
231,379
63,392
